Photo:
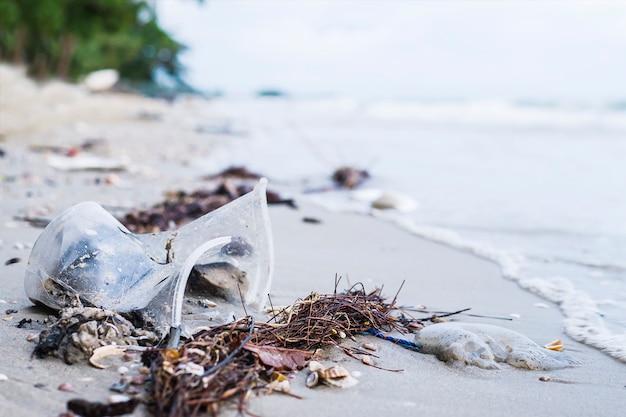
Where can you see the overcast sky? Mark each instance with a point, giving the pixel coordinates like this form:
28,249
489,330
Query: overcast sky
421,49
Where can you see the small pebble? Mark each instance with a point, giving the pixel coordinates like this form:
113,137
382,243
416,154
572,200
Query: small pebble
18,245
65,387
369,346
122,370
11,311
118,398
144,371
367,360
438,320
3,301
40,385
32,337
544,378
3,377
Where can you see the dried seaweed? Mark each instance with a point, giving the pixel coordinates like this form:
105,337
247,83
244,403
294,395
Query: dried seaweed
180,207
231,362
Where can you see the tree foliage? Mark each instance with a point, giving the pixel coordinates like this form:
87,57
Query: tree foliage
69,38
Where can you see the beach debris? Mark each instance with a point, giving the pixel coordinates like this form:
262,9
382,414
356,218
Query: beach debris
82,332
101,80
13,261
369,346
3,377
233,360
85,257
311,220
86,408
334,376
367,360
181,207
97,358
349,177
556,345
487,346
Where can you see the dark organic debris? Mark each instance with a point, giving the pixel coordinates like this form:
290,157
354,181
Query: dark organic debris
311,220
24,323
96,409
80,331
349,177
180,207
231,361
38,222
12,261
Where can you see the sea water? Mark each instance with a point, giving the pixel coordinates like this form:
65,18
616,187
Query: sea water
539,188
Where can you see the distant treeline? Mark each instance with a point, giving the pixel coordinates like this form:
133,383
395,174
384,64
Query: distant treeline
70,38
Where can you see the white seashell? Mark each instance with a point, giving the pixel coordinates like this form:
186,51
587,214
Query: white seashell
104,352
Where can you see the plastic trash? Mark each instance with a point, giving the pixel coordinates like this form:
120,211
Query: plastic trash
86,254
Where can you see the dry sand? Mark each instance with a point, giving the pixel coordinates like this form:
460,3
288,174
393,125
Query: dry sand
307,256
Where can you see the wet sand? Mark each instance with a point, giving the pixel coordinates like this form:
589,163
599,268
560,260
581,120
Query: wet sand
307,258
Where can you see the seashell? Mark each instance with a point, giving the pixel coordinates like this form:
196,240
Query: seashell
334,372
341,382
556,345
312,380
369,346
315,366
104,352
334,376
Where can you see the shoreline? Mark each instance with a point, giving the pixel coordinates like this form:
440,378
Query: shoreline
307,257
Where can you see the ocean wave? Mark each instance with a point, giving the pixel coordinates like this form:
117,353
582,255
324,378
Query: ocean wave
499,113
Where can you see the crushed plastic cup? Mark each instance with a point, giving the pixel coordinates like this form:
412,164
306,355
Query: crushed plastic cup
86,254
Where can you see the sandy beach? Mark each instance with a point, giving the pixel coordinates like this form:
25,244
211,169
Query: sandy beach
154,144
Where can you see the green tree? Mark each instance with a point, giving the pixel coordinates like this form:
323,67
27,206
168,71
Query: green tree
69,38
